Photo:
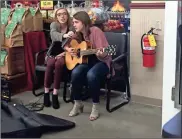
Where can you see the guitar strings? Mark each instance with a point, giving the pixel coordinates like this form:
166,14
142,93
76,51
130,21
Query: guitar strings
93,51
87,52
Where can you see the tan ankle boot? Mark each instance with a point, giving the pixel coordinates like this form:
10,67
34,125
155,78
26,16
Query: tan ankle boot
95,112
77,108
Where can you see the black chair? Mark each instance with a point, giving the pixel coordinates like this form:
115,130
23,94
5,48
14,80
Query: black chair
120,81
120,64
40,67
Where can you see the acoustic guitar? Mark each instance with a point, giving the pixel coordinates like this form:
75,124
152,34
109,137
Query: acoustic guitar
82,50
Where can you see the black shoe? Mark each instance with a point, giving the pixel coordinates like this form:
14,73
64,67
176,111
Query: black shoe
47,102
55,101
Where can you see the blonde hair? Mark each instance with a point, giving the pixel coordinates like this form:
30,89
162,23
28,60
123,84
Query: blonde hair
69,18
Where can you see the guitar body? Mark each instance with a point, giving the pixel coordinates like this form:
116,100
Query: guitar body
71,61
82,50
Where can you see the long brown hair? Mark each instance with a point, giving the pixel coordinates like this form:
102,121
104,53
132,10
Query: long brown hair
69,23
85,19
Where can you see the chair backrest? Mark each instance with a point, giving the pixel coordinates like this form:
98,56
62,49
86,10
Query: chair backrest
118,39
55,48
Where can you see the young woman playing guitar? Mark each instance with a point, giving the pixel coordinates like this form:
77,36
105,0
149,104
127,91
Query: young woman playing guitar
97,68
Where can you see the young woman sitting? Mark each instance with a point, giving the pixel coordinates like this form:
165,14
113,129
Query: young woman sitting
59,30
97,68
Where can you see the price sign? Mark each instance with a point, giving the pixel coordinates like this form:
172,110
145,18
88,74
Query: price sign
46,5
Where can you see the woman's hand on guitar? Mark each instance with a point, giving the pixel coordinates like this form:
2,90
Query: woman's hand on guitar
68,35
71,51
101,54
60,55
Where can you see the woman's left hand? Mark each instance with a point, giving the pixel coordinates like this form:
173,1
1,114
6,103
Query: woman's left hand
60,55
101,54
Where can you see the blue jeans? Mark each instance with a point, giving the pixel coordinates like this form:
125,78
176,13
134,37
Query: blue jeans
92,76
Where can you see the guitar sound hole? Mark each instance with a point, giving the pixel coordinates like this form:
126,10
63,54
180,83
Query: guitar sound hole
78,53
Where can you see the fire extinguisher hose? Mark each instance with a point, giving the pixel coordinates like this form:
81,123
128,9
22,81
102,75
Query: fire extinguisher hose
142,42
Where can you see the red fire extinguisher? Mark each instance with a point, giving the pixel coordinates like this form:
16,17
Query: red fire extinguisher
148,47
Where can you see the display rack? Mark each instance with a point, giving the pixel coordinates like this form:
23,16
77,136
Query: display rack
121,18
116,21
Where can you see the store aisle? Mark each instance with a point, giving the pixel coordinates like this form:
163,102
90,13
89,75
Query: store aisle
131,121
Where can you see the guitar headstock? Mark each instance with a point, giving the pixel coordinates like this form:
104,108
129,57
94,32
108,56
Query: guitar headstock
110,50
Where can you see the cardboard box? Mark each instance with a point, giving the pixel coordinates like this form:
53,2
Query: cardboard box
14,61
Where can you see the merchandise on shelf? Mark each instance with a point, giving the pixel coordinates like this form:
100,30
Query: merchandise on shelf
117,11
119,18
37,19
118,7
51,14
15,21
5,13
13,35
24,2
115,19
24,17
44,14
12,60
113,25
98,15
74,10
97,3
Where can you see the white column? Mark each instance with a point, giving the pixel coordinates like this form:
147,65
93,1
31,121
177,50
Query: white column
169,65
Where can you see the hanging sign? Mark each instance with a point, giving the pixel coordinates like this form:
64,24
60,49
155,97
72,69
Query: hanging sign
46,5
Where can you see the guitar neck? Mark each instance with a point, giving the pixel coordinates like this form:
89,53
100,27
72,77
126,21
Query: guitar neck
88,52
110,50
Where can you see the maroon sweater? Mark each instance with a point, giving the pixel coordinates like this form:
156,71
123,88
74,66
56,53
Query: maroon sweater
97,40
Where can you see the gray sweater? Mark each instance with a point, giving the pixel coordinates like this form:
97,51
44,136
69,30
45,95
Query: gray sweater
55,32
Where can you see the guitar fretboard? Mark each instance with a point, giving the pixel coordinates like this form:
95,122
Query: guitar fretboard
110,50
88,52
